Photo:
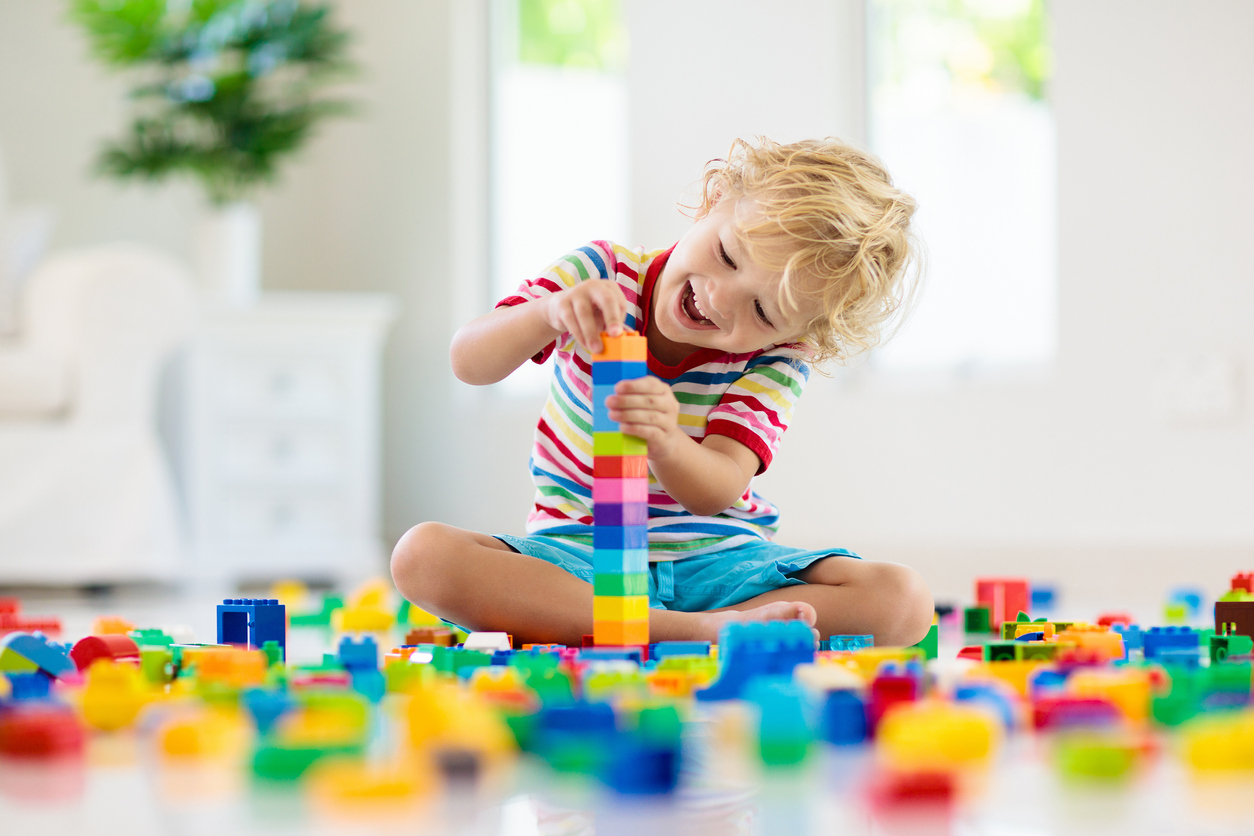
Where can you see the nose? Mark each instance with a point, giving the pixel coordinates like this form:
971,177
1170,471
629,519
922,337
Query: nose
722,297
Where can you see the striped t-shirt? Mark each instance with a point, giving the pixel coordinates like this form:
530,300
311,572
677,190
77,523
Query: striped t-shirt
746,397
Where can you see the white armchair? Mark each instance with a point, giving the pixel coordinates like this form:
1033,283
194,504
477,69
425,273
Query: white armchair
86,493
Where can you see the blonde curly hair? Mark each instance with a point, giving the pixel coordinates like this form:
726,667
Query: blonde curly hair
828,218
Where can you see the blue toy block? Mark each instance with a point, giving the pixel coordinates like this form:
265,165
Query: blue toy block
1191,597
623,515
844,720
639,768
252,622
851,642
1156,639
784,732
991,697
601,422
610,654
33,685
1043,597
267,707
624,538
620,561
661,650
1132,637
1187,657
611,371
358,655
49,656
1031,637
369,682
748,650
1044,681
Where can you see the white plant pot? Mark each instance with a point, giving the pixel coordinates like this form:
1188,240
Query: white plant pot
229,253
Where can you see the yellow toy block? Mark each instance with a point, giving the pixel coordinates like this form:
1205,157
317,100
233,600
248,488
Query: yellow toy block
113,696
443,716
620,633
936,736
1220,743
290,593
869,659
231,666
360,787
203,733
1127,688
1014,672
110,624
628,345
620,608
1022,628
362,619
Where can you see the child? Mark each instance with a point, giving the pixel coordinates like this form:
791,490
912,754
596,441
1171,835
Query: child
797,255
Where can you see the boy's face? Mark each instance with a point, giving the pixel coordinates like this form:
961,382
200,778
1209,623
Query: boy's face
712,295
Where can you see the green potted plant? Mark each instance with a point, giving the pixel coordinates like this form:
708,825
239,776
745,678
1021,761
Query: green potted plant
225,90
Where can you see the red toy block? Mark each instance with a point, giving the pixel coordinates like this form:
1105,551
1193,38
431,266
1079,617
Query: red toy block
620,467
1243,580
1004,597
42,731
974,652
887,690
9,606
115,646
589,641
1107,619
898,792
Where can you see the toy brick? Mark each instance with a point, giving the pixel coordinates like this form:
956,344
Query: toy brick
621,633
611,372
620,467
851,642
620,561
1004,597
627,346
620,608
50,657
931,642
1001,651
1243,580
618,444
601,421
626,538
1234,618
252,622
976,620
113,646
620,514
632,583
619,491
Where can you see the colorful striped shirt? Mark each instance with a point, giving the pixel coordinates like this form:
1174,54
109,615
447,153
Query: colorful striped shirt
746,397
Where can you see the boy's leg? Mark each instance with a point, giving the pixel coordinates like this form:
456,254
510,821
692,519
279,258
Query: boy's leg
849,595
477,581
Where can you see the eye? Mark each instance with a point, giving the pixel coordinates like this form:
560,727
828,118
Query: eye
757,306
722,253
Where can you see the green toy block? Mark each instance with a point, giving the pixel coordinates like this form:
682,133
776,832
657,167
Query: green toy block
322,618
1221,647
930,643
274,653
12,662
157,664
402,612
151,637
1093,758
1002,651
618,444
1037,650
400,677
1236,595
288,763
631,583
976,620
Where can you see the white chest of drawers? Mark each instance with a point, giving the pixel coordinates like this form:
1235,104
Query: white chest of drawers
282,438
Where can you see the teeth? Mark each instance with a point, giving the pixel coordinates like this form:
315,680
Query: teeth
697,304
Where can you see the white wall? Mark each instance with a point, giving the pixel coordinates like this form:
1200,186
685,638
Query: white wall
1078,473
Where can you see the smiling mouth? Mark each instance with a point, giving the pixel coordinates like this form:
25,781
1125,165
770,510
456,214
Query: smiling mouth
688,301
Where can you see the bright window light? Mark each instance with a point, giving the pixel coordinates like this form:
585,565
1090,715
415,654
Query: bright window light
959,115
559,139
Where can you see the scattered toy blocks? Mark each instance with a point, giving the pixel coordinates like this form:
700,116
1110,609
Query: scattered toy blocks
252,622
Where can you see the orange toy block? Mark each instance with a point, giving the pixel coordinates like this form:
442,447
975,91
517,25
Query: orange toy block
628,345
620,633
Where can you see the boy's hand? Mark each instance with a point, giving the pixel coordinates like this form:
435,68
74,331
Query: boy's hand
647,408
586,310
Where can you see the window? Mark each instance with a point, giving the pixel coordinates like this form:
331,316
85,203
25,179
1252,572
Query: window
559,137
959,115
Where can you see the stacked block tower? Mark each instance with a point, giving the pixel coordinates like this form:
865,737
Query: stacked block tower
620,503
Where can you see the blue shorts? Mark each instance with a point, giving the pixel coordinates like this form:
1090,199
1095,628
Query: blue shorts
691,584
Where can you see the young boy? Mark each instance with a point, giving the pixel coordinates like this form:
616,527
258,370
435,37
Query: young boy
797,255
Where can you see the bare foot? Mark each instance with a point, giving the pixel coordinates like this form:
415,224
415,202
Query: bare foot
712,622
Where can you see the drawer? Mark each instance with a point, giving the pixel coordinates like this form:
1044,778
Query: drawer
282,517
291,454
264,385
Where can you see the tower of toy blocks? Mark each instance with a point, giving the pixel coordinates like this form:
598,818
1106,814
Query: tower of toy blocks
620,503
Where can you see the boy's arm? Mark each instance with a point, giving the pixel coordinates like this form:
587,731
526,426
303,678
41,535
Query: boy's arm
706,477
486,350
